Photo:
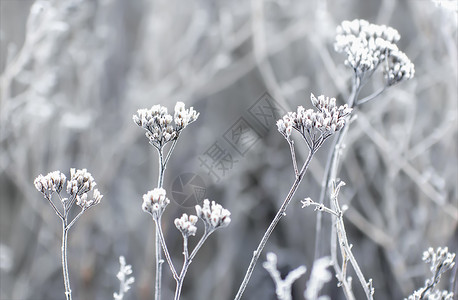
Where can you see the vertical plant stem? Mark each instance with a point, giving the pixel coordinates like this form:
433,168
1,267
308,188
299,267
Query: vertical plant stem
347,254
68,291
281,212
331,164
187,261
159,260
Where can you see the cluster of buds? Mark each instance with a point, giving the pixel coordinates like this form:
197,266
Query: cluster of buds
315,126
440,260
79,185
367,45
154,202
81,182
158,123
53,182
214,215
186,225
398,68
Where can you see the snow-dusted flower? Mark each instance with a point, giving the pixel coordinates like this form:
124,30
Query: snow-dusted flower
186,225
158,123
84,203
80,182
155,201
368,45
183,116
214,215
53,182
440,260
125,280
398,68
315,126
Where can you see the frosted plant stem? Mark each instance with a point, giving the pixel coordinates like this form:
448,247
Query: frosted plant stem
345,247
281,212
68,291
159,260
187,261
331,164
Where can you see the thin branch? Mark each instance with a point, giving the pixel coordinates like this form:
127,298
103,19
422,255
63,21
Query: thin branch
281,212
164,247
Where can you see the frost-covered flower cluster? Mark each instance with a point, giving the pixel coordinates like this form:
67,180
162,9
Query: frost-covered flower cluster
155,201
186,225
125,280
440,260
158,123
214,215
53,182
368,45
79,185
315,126
81,182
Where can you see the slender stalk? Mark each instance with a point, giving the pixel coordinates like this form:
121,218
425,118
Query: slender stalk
159,260
347,254
68,290
281,212
165,249
331,164
187,261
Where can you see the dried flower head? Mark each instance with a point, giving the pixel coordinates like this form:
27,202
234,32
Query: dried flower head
155,201
440,260
368,45
53,182
158,123
214,216
398,68
186,225
184,117
315,126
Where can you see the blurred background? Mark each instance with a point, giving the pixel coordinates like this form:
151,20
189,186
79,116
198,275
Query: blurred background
75,71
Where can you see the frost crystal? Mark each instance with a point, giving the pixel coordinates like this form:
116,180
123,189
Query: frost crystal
158,122
155,201
214,216
186,225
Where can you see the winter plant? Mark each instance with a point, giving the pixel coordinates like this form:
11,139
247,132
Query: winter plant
344,245
314,127
440,261
162,128
368,48
78,187
125,279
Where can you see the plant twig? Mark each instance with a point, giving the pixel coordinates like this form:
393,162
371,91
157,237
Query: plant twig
281,212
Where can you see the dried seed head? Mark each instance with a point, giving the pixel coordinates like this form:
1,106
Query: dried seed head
186,225
158,123
53,182
214,215
368,45
155,201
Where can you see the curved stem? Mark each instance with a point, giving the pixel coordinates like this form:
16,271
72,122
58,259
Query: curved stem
281,212
68,290
164,247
